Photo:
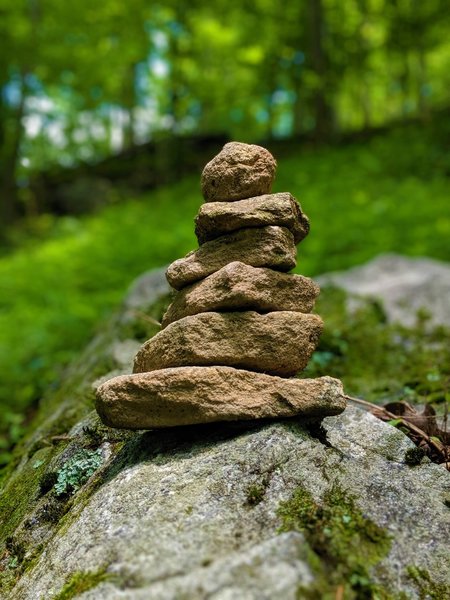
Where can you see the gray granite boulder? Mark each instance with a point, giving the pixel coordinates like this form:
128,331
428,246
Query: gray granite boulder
404,286
196,514
213,511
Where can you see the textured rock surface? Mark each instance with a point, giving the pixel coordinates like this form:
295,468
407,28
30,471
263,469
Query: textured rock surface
218,218
192,395
241,287
279,343
172,520
238,171
404,286
272,247
168,517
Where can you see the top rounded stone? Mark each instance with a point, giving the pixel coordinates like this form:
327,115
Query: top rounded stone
239,171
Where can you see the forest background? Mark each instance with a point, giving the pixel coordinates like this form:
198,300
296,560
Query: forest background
108,111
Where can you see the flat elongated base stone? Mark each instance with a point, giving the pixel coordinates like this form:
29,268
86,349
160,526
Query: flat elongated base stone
279,343
241,287
272,247
219,218
191,395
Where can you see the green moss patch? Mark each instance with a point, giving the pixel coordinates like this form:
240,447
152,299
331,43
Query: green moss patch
80,582
345,545
428,589
21,492
255,494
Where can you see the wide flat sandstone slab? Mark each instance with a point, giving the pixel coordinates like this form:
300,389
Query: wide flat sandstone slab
238,286
272,247
192,395
279,343
219,218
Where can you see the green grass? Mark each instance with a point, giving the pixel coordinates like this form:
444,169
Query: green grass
390,194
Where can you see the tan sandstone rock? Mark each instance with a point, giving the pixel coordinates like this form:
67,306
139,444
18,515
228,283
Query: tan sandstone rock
238,171
271,246
279,343
218,218
241,287
191,395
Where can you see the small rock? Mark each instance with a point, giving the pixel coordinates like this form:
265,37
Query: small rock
271,246
238,171
238,286
279,343
192,395
218,218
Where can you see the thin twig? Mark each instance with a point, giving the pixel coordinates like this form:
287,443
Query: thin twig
145,317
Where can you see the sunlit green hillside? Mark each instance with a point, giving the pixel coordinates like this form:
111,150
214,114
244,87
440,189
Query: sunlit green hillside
390,194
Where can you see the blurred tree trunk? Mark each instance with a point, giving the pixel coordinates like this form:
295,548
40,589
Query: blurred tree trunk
298,106
362,67
10,138
322,111
129,102
421,82
404,83
272,73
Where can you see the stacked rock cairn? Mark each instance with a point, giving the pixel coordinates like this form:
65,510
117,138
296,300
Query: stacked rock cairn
240,327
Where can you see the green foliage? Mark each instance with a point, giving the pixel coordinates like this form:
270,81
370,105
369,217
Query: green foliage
385,195
76,471
345,544
286,79
81,582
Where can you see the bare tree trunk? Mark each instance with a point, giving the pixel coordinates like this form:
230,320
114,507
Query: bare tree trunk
404,84
421,82
298,106
129,97
271,87
364,87
10,148
12,137
321,108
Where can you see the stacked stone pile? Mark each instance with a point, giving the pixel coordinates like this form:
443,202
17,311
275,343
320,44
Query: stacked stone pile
239,327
